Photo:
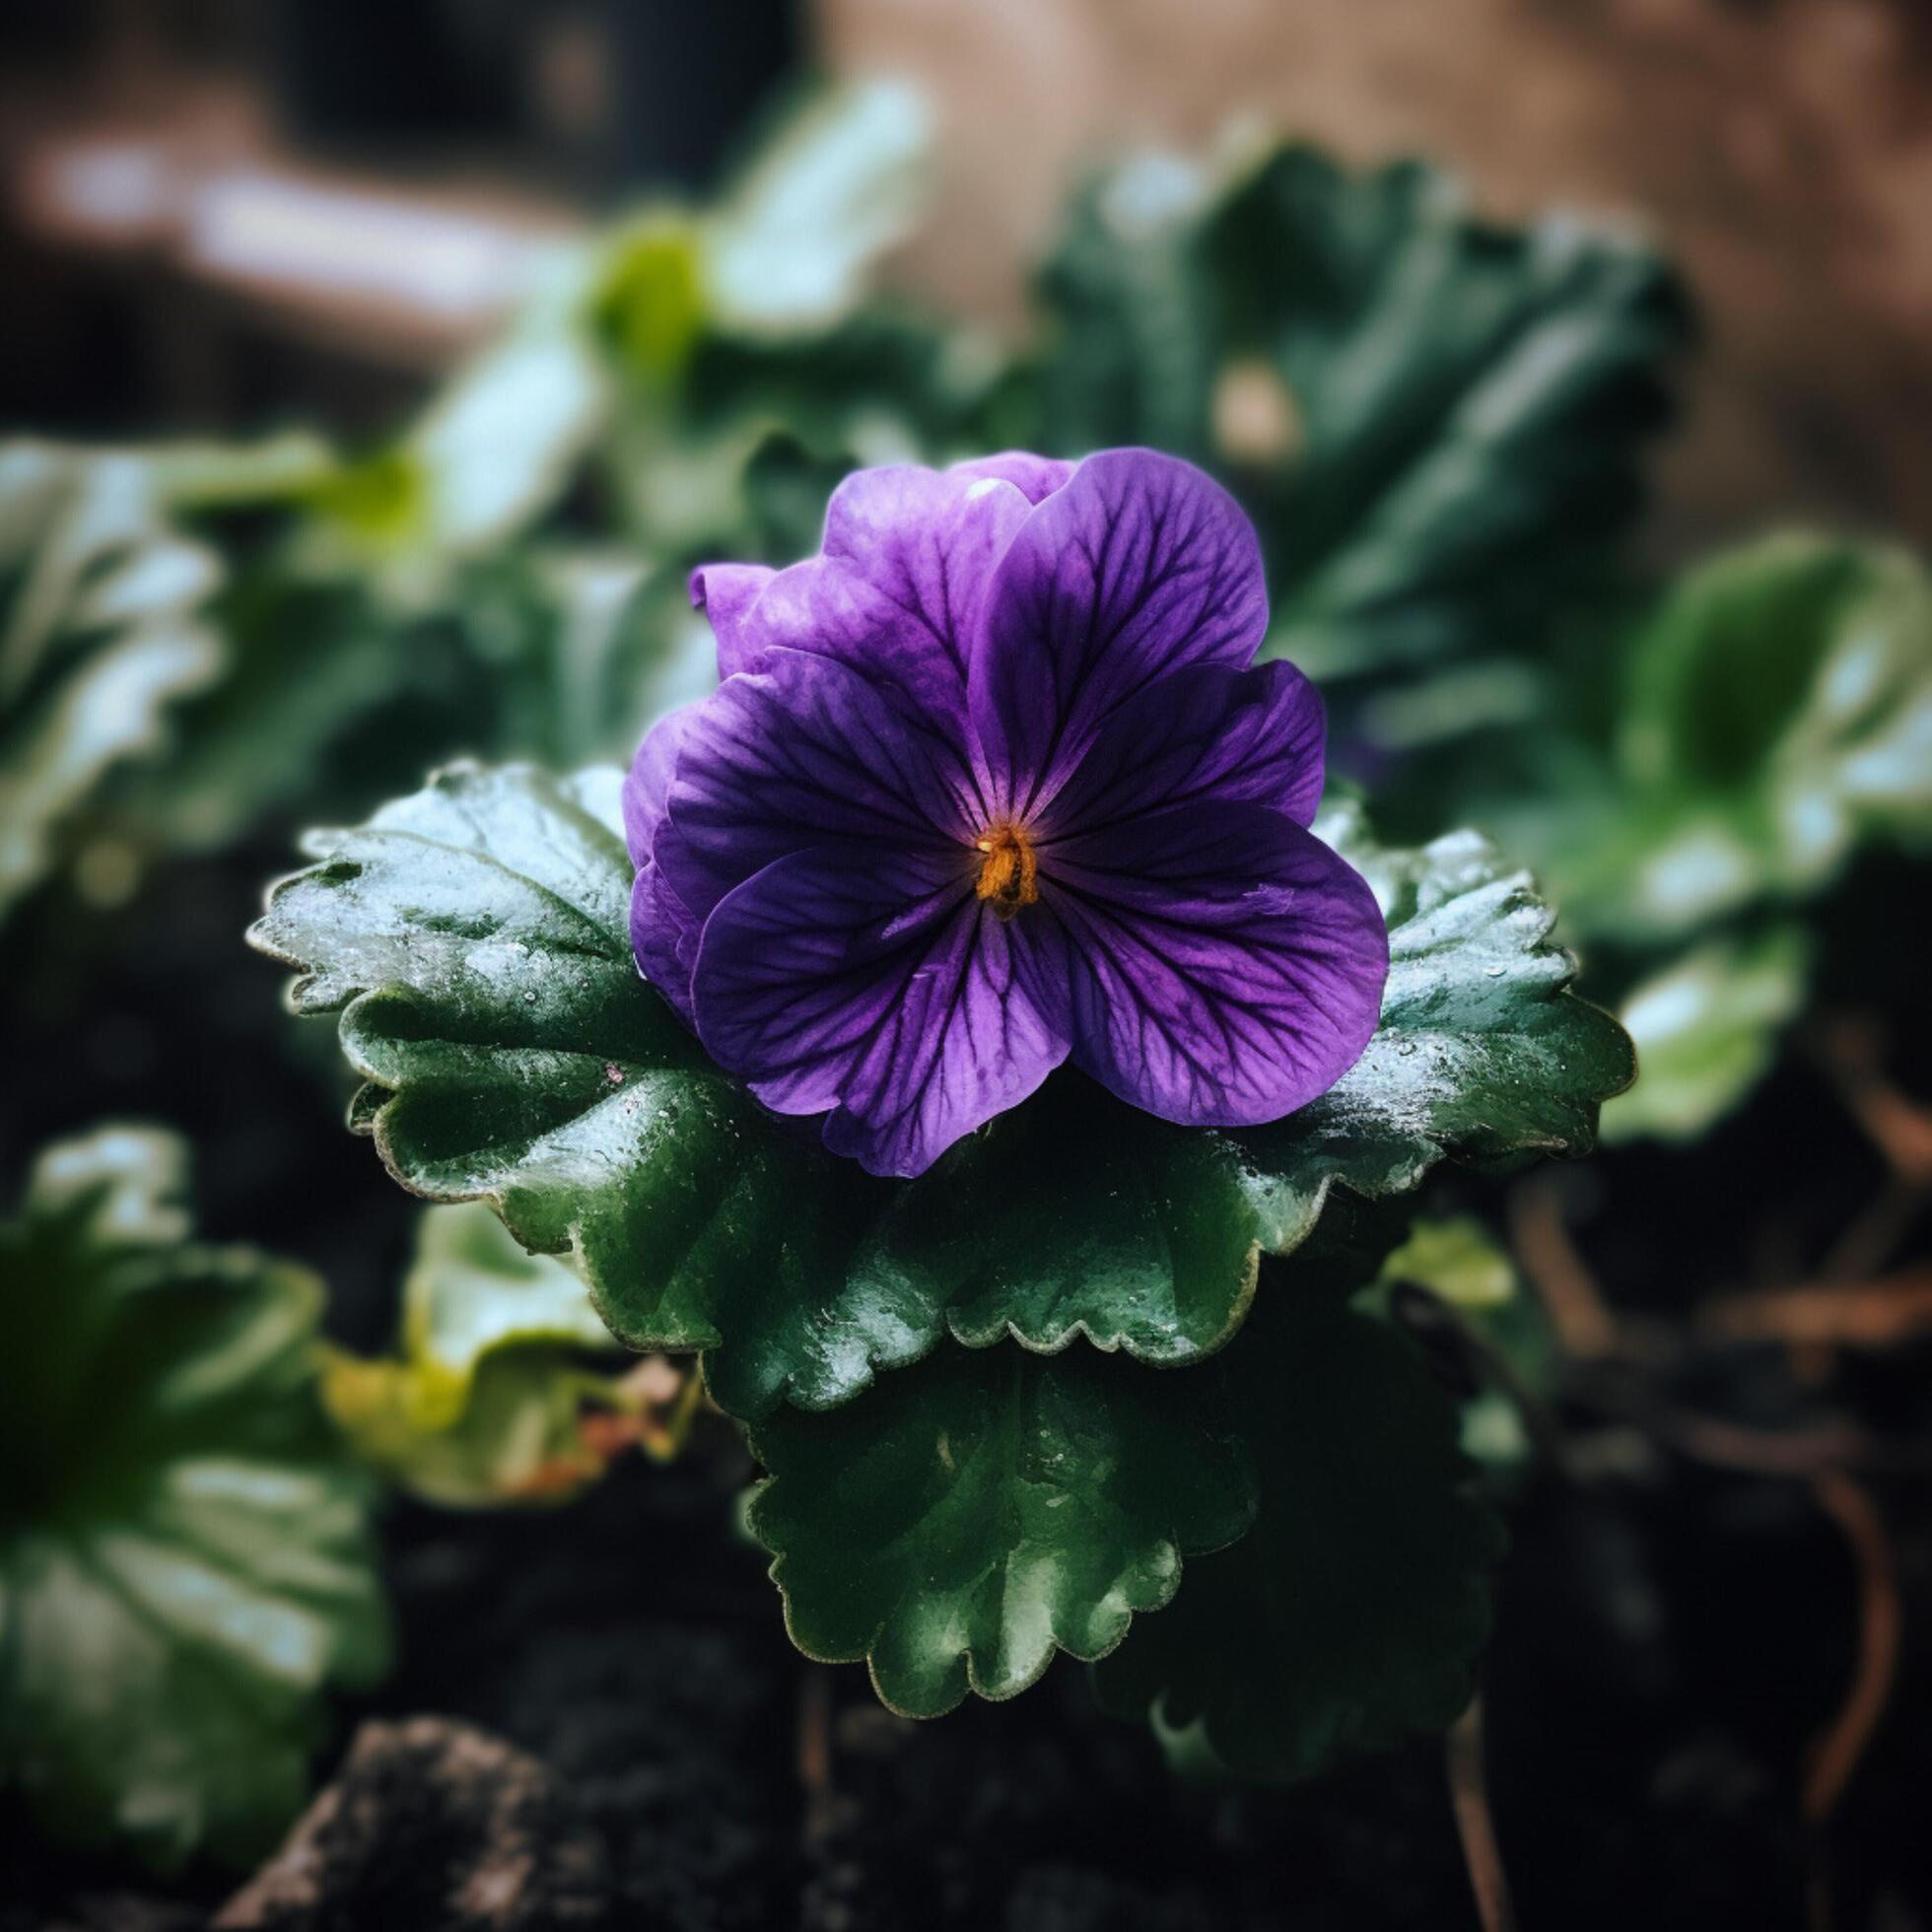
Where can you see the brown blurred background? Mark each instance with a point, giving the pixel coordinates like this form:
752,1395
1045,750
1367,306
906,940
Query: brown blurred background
219,214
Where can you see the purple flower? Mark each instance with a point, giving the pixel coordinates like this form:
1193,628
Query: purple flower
989,783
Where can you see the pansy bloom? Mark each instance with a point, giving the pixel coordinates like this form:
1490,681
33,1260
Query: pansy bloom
993,783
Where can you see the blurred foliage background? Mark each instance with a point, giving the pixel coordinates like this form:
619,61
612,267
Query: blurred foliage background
375,373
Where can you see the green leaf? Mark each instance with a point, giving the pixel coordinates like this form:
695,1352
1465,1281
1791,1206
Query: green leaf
185,1564
1350,1613
1434,420
474,1292
483,1404
792,244
1461,1262
1779,707
1706,1029
582,650
476,938
1775,710
1458,1259
351,614
196,479
980,1511
313,662
498,446
788,249
881,387
101,632
1482,1051
519,1438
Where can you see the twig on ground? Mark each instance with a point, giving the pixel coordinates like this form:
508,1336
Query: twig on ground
1872,1314
1816,1450
1840,1746
1849,1051
815,1749
1468,1797
1872,1236
1562,1277
1836,1755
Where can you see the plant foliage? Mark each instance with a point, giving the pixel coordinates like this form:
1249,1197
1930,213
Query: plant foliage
184,1566
475,939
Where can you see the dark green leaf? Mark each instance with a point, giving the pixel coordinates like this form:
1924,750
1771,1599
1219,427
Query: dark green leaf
477,936
1350,1613
1482,1051
973,1515
1433,420
183,1557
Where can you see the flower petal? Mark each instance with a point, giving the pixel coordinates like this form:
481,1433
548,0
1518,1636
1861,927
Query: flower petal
884,994
1204,733
898,588
726,594
1225,966
664,939
804,752
1035,477
650,779
1139,565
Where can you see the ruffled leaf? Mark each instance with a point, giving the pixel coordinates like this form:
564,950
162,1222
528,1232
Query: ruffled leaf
185,1564
982,1510
475,936
1350,1613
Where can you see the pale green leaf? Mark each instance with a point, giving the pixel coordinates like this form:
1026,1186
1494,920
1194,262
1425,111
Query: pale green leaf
791,243
1457,1258
1706,1029
482,1403
102,634
1779,707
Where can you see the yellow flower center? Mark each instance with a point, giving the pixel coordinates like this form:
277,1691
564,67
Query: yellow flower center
1009,874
